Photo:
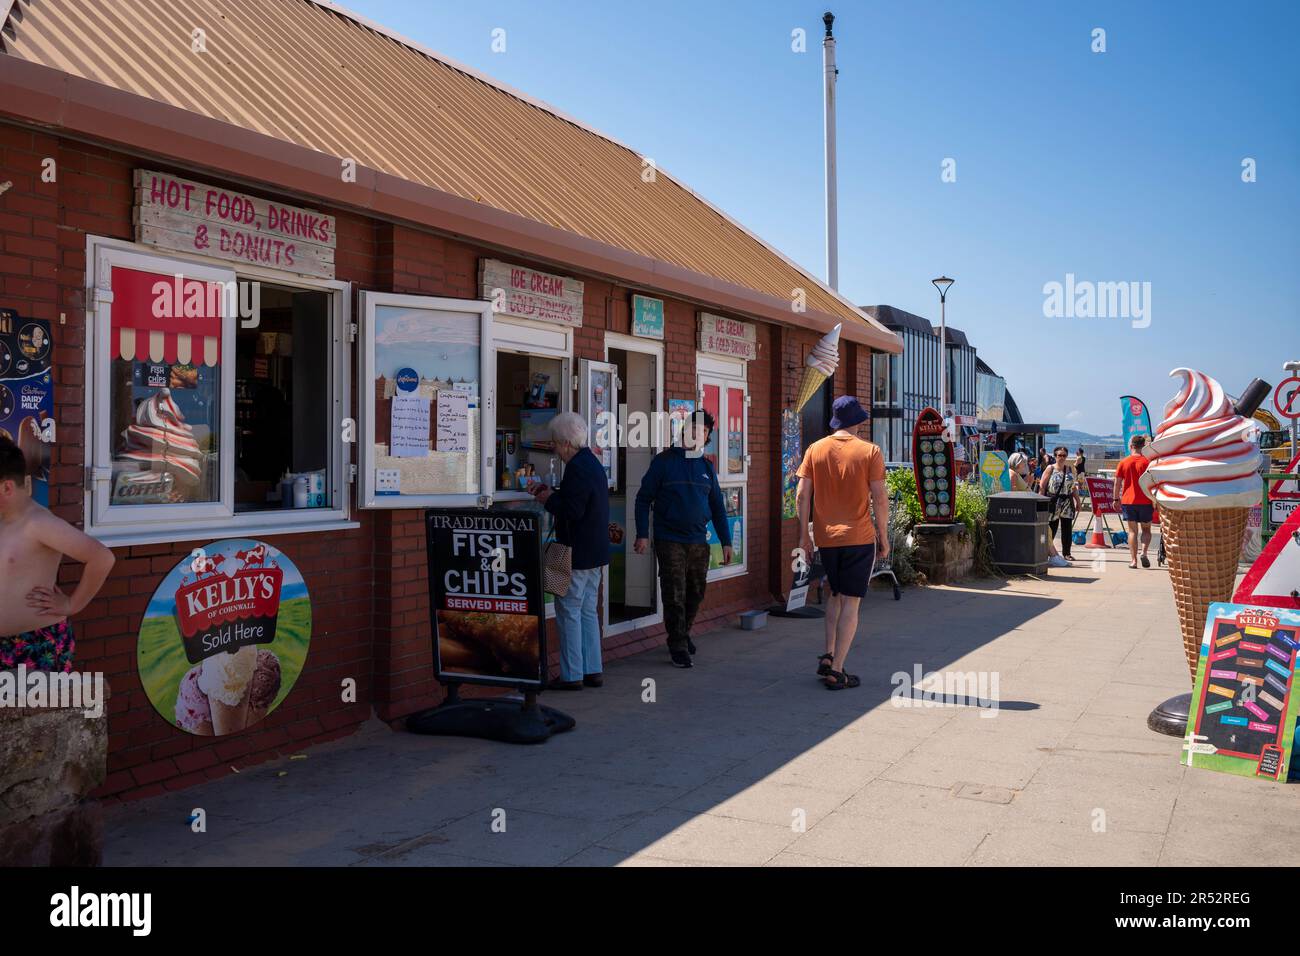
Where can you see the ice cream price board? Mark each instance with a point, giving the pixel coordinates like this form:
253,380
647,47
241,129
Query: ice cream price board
1244,705
485,594
932,464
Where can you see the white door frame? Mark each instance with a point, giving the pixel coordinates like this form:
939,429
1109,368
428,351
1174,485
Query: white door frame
629,343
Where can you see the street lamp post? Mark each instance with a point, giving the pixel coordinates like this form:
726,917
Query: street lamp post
943,283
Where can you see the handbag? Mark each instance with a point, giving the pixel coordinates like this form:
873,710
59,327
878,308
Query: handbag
557,567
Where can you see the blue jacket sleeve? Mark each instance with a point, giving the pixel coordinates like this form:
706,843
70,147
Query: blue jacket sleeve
645,497
719,510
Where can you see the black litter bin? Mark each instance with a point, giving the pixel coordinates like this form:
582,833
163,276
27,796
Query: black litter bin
1018,522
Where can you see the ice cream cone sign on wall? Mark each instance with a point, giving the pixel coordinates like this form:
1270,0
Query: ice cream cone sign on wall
1203,477
820,365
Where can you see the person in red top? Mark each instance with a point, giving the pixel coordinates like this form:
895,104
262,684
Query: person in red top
1134,504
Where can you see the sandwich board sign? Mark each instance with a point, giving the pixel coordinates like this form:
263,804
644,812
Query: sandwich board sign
1244,705
1274,579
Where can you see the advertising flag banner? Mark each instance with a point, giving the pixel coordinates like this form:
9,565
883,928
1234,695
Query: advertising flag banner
1136,418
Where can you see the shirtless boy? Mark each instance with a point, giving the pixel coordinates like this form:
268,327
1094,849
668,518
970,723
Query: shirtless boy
34,626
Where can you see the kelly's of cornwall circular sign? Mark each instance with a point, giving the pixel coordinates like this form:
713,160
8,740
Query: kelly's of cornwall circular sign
225,637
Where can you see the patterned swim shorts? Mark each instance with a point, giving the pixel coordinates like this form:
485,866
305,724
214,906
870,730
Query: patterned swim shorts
45,649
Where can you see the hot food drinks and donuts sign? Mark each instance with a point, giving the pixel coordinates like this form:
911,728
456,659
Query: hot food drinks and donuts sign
933,467
485,594
225,637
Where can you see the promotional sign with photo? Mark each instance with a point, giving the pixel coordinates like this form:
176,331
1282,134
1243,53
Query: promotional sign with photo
485,592
225,637
27,395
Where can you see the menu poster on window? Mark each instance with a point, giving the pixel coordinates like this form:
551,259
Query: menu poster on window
224,637
27,395
421,355
453,421
410,426
485,592
679,410
732,502
1244,705
735,431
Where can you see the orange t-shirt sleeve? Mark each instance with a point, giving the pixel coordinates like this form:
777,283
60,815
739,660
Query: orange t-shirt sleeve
876,466
806,465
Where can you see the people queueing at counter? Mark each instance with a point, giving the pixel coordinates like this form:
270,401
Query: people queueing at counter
681,486
581,509
834,475
35,632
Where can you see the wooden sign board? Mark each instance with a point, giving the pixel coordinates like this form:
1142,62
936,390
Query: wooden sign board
729,337
932,466
526,293
181,215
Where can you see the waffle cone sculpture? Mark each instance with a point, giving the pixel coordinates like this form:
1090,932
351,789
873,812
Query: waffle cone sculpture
1203,476
819,366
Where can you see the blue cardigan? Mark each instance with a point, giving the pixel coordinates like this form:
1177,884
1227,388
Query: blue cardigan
685,495
581,509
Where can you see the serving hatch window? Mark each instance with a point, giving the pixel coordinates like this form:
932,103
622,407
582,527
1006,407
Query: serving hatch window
213,394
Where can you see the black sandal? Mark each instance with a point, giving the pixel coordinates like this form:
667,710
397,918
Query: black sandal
824,664
838,680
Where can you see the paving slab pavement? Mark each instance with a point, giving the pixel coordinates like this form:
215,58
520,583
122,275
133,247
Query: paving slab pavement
747,760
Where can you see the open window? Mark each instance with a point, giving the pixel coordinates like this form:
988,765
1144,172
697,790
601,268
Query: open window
427,416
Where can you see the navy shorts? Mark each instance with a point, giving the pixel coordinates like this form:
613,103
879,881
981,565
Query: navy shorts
1137,514
848,569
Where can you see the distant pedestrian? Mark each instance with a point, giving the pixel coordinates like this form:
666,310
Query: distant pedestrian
1135,506
1058,483
682,487
841,483
581,509
1080,464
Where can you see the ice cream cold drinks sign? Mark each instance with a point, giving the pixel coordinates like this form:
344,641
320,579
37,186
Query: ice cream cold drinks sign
185,216
730,337
225,637
525,293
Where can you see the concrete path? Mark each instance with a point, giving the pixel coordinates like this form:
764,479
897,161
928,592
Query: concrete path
747,759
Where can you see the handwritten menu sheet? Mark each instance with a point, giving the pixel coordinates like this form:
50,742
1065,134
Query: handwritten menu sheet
1244,707
410,427
453,421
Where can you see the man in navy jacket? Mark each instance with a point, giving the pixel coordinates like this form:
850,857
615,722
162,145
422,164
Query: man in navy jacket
682,487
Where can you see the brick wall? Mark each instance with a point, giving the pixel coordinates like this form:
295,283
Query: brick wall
369,585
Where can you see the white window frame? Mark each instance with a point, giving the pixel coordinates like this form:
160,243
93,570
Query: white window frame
544,341
121,526
728,373
367,497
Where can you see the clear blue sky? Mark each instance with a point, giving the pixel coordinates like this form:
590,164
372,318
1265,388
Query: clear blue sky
1115,166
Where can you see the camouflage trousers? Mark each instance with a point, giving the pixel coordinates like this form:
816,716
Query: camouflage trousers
683,570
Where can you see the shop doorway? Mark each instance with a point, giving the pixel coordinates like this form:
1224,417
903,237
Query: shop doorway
632,586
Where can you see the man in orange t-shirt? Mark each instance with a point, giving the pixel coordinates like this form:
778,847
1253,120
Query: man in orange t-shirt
835,477
1134,504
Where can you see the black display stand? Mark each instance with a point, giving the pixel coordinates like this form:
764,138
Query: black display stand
492,718
1171,716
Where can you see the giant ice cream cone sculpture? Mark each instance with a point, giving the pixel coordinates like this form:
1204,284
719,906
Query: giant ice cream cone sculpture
819,366
1203,477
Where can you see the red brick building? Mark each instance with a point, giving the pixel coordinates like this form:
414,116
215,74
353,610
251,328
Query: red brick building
364,185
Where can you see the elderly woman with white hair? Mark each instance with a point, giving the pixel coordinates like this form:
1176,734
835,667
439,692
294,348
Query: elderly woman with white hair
581,509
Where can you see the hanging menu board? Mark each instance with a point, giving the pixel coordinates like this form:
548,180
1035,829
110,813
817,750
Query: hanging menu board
485,595
932,465
27,395
1244,705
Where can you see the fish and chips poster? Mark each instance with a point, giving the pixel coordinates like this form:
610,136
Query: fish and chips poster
1244,707
485,593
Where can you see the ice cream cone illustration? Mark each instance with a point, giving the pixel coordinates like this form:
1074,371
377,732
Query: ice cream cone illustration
819,366
227,679
264,686
1203,477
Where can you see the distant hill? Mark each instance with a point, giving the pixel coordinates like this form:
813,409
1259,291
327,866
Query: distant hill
1068,436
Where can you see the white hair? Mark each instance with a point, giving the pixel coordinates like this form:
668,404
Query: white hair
1017,459
570,427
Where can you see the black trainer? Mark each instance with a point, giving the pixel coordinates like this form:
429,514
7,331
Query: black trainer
690,647
681,659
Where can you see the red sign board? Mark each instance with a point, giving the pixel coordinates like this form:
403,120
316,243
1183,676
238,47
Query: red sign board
932,466
1101,492
1286,397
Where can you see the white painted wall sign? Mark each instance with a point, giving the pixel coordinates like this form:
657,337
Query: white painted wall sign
529,294
730,337
186,216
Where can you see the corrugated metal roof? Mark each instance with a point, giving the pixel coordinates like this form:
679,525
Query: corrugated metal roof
310,73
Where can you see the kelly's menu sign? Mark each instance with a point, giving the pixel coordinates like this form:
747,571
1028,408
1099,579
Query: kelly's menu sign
1244,708
225,637
27,395
485,594
932,463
